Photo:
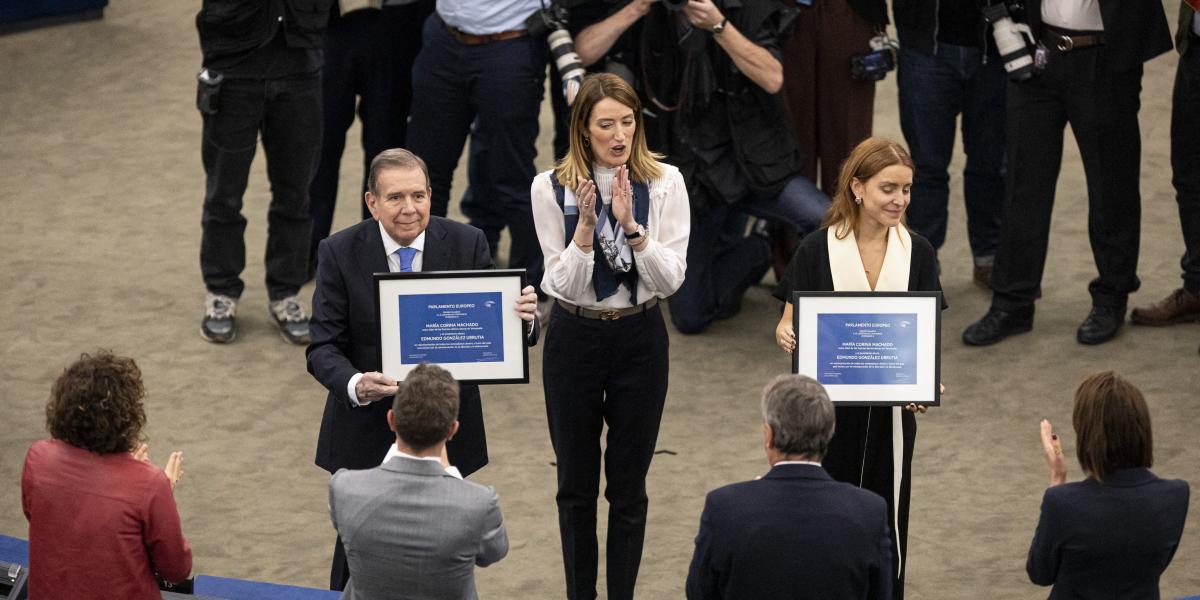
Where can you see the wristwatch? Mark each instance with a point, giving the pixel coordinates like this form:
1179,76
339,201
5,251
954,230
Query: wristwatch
719,27
637,233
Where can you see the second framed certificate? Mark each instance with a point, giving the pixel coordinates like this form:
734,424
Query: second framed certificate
870,348
462,321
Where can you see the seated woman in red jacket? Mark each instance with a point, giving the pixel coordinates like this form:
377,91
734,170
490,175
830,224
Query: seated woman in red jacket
102,519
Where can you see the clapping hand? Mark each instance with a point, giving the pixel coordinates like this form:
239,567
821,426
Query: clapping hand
585,194
174,468
622,200
1052,451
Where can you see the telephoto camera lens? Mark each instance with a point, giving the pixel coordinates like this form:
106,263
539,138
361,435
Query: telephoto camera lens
570,69
1012,40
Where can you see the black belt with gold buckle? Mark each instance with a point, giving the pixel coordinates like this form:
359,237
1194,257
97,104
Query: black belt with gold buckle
608,314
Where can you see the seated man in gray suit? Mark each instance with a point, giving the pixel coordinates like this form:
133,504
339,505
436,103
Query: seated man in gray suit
413,529
795,533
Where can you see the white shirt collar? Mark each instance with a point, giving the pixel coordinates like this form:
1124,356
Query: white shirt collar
796,462
394,451
391,246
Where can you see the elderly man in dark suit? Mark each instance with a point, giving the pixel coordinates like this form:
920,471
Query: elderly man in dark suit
795,533
344,354
412,527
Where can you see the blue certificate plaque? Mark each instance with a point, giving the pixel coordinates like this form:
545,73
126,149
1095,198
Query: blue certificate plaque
867,349
465,321
451,328
870,348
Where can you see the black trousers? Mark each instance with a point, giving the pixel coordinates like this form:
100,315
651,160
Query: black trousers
492,91
1185,158
596,373
1101,106
368,65
288,114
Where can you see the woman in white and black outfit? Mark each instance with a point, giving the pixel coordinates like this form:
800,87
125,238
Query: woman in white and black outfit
613,225
863,245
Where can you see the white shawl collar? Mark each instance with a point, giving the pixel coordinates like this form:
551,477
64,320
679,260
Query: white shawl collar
846,266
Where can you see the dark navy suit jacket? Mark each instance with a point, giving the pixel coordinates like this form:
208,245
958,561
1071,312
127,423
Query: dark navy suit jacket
795,533
1110,540
345,341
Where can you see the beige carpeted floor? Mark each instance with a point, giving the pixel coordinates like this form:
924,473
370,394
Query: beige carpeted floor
100,194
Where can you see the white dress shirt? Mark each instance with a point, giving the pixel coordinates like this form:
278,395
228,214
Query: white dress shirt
390,246
661,260
1080,15
394,451
483,17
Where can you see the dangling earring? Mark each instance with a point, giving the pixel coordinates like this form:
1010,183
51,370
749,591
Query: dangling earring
587,141
857,200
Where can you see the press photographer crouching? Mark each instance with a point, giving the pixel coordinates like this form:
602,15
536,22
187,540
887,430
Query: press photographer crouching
711,74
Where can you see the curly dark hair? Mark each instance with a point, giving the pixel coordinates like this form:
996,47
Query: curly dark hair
96,404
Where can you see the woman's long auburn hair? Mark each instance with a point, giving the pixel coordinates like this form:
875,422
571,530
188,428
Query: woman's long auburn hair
868,158
578,161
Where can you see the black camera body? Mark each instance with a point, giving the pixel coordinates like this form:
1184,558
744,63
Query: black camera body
873,66
674,5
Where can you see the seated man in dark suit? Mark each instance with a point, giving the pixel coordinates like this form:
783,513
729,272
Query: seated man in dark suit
412,527
795,533
344,354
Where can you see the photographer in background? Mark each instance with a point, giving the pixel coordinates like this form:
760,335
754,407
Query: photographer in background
261,73
479,65
948,66
709,70
370,47
1086,71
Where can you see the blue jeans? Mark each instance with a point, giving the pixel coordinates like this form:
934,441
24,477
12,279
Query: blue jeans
934,91
287,112
499,87
721,266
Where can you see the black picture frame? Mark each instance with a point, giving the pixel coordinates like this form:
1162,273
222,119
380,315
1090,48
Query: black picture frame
929,336
509,282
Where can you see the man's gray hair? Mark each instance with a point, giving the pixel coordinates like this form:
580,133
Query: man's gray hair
395,158
800,413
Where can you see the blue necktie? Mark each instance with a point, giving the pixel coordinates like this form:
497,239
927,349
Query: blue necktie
406,256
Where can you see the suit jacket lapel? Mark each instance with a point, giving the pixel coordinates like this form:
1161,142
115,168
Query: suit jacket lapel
373,256
437,251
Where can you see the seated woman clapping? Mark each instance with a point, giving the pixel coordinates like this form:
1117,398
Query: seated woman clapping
102,519
1114,533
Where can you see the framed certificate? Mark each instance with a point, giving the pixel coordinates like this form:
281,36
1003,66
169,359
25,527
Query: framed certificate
870,348
462,321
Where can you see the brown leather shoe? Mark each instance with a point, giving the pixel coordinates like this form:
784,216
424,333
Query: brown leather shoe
983,277
1182,306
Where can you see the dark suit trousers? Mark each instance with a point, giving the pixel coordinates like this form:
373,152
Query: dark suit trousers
499,87
1185,158
368,64
1101,106
287,111
831,111
596,373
